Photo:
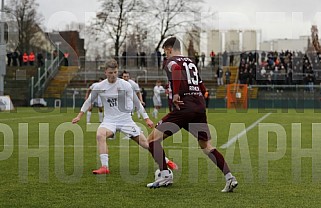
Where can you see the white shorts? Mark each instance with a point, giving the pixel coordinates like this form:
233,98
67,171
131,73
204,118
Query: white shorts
157,101
130,129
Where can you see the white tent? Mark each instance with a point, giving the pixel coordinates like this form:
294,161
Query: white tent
6,103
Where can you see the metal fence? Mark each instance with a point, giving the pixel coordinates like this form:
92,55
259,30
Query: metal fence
269,97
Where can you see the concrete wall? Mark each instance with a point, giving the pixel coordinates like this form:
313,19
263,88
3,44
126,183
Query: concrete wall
249,40
214,41
245,40
232,40
286,44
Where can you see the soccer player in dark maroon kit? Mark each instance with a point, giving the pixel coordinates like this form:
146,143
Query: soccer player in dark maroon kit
189,113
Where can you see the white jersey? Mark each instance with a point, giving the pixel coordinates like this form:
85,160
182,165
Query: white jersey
118,100
93,85
134,85
157,95
158,90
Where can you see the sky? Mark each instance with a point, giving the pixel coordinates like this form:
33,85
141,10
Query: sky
275,18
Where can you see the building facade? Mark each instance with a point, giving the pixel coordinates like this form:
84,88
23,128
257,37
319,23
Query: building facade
300,44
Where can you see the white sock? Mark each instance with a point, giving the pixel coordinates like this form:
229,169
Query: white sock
101,116
228,176
166,159
155,112
88,116
104,159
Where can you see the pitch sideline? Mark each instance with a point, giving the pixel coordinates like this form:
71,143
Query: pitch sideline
239,135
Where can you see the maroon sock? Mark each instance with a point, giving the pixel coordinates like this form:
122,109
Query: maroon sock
158,154
219,160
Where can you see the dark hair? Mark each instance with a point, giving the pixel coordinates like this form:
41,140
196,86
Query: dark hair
172,42
111,63
124,72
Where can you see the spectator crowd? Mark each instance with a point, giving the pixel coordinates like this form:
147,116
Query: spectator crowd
17,58
279,68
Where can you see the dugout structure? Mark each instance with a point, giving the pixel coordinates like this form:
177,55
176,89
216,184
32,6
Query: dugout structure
237,96
6,103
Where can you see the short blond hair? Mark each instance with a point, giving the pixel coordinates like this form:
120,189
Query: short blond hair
111,63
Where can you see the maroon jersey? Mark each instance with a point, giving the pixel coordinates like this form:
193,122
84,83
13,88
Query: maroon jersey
187,81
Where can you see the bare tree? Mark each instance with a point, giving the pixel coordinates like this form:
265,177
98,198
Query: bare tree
114,20
28,20
174,16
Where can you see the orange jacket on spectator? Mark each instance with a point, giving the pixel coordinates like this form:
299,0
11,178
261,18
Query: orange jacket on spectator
31,56
25,58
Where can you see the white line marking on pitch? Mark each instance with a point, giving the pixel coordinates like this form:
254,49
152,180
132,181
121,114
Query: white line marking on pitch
94,146
31,117
239,135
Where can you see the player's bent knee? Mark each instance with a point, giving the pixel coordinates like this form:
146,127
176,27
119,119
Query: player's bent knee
144,145
156,135
205,146
141,140
150,139
100,137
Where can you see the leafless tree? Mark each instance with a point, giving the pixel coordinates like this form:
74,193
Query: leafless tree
114,20
173,16
28,20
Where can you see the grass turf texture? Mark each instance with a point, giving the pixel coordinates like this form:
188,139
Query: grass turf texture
66,179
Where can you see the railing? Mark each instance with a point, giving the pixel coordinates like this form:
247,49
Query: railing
44,77
288,91
269,97
130,61
138,78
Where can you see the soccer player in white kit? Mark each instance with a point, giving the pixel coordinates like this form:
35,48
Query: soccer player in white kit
158,89
118,99
135,86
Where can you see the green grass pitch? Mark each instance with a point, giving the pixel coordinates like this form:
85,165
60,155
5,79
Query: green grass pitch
45,161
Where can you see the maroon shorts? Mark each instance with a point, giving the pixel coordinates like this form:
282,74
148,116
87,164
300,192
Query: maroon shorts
195,123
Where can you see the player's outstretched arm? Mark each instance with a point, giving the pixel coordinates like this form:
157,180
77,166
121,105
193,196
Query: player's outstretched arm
177,101
85,106
202,87
149,123
140,97
87,93
139,106
177,78
78,117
